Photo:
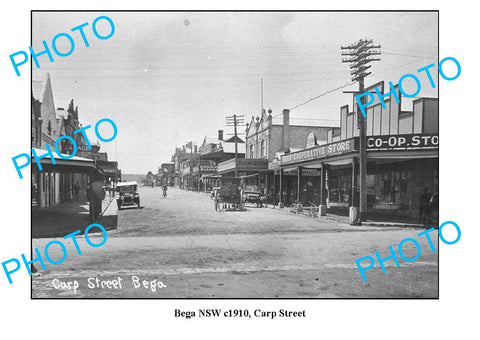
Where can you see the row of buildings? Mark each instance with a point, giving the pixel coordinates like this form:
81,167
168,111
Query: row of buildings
320,164
68,179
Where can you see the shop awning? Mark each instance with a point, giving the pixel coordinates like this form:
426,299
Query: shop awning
74,164
403,154
244,165
106,168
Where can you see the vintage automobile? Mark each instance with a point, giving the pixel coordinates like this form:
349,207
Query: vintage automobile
253,194
127,194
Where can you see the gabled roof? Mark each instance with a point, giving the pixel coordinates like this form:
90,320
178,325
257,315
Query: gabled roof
61,126
232,140
39,87
258,123
208,140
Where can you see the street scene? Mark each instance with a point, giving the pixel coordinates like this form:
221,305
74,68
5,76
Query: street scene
197,252
235,155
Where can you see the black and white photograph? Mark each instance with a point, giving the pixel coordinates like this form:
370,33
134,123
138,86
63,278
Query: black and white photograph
227,154
238,170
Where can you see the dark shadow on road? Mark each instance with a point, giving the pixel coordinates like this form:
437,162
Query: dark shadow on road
63,220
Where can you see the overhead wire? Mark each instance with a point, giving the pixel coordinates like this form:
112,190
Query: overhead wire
323,94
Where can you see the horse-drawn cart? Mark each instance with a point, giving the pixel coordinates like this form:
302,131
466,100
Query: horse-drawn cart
228,196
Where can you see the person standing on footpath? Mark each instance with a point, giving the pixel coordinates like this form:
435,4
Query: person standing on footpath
98,197
423,206
76,190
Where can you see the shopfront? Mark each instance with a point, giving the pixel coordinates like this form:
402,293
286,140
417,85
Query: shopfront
319,175
46,182
400,168
203,175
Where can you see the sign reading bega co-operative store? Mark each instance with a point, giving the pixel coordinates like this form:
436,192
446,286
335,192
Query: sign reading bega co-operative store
326,150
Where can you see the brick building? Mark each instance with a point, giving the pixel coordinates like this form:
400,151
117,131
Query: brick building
267,138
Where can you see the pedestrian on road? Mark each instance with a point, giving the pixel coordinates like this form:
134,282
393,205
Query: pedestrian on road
165,188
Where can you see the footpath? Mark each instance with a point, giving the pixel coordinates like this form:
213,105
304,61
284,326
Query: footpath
373,221
370,222
68,217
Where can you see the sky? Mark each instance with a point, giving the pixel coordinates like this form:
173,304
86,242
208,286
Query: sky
166,78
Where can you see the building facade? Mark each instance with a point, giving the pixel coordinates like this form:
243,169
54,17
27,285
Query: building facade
267,140
402,162
56,185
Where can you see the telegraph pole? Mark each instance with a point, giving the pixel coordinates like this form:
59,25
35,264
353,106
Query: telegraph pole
191,163
359,56
234,121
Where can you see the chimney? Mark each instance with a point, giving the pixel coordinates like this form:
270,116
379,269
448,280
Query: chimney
270,118
286,130
220,135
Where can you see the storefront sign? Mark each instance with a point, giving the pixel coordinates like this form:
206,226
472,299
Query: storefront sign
208,168
403,142
311,172
68,147
247,164
244,164
305,173
319,152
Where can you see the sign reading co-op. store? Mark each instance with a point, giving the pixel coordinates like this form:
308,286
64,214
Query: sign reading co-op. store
403,142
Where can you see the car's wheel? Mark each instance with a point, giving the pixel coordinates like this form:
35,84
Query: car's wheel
138,203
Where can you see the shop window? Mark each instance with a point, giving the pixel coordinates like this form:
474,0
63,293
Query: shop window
392,189
310,190
340,187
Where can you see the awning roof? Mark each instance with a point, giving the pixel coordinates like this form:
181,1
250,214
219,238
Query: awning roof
244,164
75,161
122,184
